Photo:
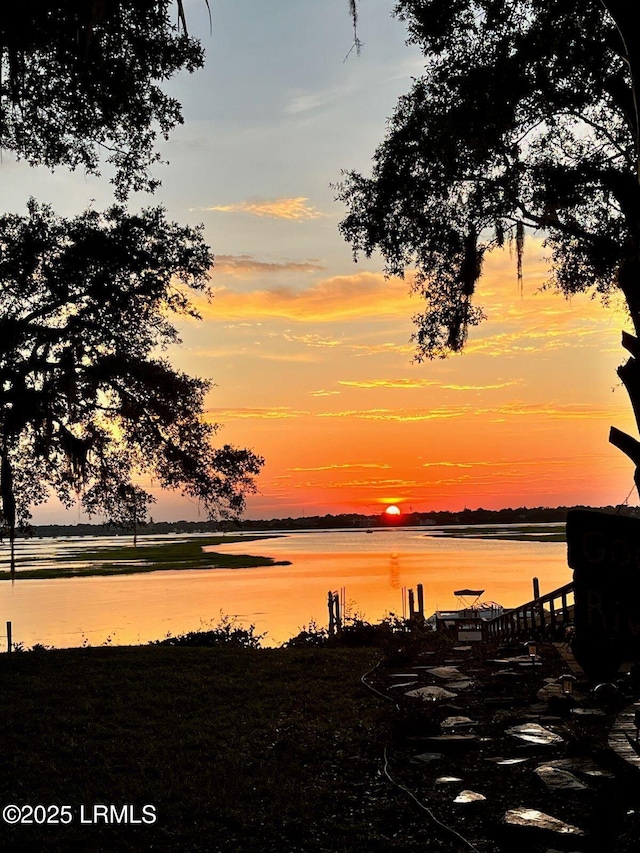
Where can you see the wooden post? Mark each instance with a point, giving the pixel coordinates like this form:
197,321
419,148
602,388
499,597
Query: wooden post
552,606
420,602
536,588
565,608
336,601
412,612
332,627
9,643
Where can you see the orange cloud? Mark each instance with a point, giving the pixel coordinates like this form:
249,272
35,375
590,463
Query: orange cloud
291,209
360,296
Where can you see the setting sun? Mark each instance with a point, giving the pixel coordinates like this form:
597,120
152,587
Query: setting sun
392,510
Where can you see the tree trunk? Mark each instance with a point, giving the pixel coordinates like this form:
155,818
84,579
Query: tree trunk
8,504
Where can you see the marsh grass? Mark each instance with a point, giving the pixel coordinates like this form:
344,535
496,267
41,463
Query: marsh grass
172,556
515,533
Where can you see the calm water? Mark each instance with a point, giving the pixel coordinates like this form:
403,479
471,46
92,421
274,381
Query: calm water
373,568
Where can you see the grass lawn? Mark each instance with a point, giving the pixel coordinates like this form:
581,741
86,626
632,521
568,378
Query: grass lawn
237,749
172,556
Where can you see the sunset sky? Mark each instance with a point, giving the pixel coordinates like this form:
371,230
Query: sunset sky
311,353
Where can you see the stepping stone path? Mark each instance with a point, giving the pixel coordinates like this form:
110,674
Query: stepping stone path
571,783
534,819
559,780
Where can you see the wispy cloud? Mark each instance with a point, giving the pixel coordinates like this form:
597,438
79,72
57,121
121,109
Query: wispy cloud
555,411
254,352
386,383
342,466
422,383
385,485
313,340
291,209
246,266
305,101
537,411
405,415
323,393
511,464
491,387
276,413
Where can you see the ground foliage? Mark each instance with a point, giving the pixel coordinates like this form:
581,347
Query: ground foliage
283,749
525,119
87,401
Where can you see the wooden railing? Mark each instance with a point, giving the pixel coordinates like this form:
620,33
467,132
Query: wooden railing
534,618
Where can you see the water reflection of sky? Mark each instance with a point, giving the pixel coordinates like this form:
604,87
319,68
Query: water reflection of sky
373,568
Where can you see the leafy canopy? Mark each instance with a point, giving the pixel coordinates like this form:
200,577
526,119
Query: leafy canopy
524,118
79,78
86,400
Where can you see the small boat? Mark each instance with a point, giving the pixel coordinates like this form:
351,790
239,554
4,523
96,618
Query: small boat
468,621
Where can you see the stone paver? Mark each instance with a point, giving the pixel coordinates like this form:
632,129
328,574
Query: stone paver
465,797
534,819
559,780
431,694
534,733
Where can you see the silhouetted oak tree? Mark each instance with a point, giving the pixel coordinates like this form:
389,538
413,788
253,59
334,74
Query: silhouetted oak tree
526,118
86,400
79,79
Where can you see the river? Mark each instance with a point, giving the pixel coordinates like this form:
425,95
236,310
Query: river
372,567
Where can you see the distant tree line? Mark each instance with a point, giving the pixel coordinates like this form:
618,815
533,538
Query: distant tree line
517,515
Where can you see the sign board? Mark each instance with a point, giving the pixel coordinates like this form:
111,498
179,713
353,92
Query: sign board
604,552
